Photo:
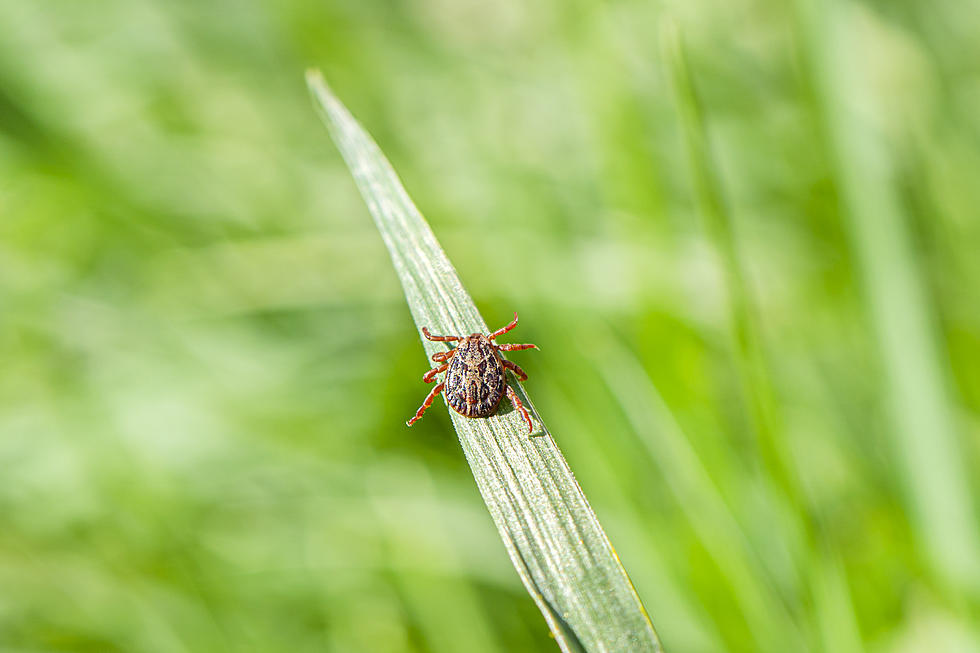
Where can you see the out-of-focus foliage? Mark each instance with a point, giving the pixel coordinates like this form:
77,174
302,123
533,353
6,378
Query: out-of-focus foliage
207,360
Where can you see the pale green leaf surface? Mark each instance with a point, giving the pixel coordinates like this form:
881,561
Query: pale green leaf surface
551,533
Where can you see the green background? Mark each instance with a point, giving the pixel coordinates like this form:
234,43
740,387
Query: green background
207,360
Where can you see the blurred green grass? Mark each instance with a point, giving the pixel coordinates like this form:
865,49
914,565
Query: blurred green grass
208,361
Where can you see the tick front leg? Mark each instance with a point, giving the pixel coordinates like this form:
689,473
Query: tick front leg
519,406
428,402
430,376
425,332
517,370
513,347
502,331
441,356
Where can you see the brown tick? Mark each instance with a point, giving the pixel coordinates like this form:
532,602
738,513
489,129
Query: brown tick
475,382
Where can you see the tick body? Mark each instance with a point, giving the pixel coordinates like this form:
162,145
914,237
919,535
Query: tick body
475,380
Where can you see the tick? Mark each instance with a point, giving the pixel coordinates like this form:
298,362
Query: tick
475,382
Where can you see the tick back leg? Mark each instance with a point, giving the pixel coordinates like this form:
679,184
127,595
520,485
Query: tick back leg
515,369
520,407
502,331
428,402
513,347
430,376
425,332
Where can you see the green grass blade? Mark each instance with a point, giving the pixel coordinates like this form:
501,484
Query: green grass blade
551,533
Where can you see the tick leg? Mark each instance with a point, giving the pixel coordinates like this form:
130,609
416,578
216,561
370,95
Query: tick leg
519,406
503,330
430,376
517,370
441,356
425,332
428,402
513,347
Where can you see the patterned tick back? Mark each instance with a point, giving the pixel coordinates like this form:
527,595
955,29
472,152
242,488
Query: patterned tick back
475,381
